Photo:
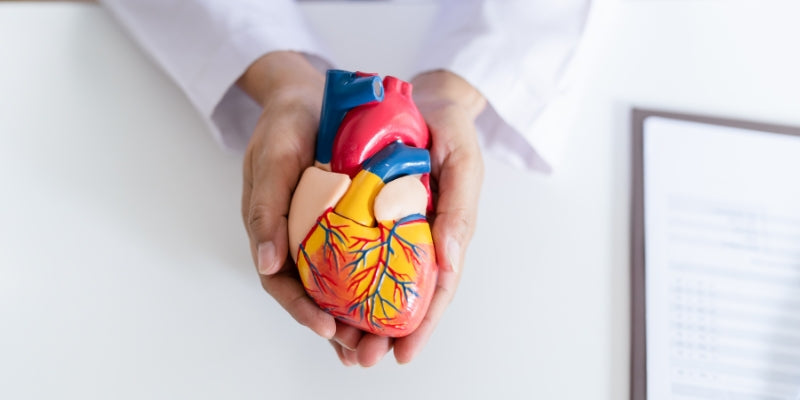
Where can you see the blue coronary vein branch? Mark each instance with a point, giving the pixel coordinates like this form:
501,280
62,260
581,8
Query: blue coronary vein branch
372,304
331,251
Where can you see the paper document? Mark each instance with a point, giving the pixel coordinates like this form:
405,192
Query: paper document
722,256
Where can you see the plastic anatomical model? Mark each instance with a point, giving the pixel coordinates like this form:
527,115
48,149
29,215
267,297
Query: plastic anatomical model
357,223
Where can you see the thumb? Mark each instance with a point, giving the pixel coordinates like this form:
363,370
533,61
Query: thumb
459,183
265,206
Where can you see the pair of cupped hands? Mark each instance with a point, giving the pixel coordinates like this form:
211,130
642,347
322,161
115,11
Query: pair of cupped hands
282,146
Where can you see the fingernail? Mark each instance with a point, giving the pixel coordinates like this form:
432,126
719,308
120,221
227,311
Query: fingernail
267,259
453,253
350,356
339,352
343,345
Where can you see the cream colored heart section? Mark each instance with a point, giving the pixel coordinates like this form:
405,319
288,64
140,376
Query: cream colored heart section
317,191
400,198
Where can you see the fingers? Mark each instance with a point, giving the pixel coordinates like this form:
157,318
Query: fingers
350,357
372,348
457,167
280,149
370,351
347,336
274,179
282,145
406,348
460,176
353,346
339,353
450,106
272,167
346,356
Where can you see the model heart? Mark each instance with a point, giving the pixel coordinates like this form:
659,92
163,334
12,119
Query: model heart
357,225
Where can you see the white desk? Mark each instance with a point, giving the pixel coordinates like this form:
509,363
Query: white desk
124,269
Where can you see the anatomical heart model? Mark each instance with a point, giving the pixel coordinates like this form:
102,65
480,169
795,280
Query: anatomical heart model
357,226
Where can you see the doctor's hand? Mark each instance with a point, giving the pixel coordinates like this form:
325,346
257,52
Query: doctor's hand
282,146
450,106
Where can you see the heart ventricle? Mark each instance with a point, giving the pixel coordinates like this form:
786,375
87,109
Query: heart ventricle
375,278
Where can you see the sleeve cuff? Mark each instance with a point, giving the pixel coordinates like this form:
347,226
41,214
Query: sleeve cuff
233,118
515,54
206,45
228,111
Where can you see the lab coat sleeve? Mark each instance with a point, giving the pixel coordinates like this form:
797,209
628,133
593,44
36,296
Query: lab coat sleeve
514,52
206,45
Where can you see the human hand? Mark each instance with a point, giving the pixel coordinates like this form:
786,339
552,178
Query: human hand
290,91
282,146
449,105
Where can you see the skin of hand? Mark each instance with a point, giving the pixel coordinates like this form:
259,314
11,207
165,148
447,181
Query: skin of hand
290,91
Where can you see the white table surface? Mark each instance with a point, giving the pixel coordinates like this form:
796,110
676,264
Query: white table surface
124,268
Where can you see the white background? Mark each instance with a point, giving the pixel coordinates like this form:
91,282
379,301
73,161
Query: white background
124,269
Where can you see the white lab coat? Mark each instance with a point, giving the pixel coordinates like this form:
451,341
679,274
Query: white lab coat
513,51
